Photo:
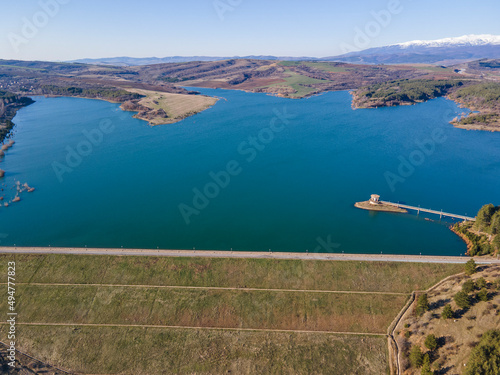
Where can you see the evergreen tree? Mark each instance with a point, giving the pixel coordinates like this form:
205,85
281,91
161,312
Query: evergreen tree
495,223
462,300
416,356
470,267
468,286
496,242
447,312
483,217
422,305
426,366
431,342
485,357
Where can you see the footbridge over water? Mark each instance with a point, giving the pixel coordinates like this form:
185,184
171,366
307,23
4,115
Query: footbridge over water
420,209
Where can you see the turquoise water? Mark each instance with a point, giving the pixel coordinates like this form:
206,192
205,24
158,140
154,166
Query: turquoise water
293,189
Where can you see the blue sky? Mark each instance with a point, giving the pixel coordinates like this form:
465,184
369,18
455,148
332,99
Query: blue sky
107,28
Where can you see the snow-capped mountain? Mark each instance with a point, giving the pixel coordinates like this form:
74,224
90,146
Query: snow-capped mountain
465,40
445,51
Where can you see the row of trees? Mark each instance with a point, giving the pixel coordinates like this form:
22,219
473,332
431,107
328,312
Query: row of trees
102,93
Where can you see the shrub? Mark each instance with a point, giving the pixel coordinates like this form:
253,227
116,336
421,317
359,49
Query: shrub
481,283
483,295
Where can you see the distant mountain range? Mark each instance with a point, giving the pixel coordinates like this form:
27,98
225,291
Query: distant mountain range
130,61
445,51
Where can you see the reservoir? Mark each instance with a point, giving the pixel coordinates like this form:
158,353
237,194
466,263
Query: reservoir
254,172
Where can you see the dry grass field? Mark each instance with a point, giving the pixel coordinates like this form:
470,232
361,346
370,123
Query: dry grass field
176,106
154,315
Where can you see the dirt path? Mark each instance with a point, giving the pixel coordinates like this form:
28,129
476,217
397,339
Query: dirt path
214,288
192,327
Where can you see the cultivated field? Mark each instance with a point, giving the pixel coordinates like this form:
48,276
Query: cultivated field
138,315
300,84
325,66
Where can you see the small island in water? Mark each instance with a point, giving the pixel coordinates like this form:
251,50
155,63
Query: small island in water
375,204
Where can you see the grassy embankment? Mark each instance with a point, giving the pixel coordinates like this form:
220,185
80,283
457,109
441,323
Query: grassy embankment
133,297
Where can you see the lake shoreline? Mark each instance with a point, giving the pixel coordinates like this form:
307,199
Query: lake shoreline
142,112
482,127
463,237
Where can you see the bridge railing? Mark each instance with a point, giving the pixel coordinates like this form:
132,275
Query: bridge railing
440,213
